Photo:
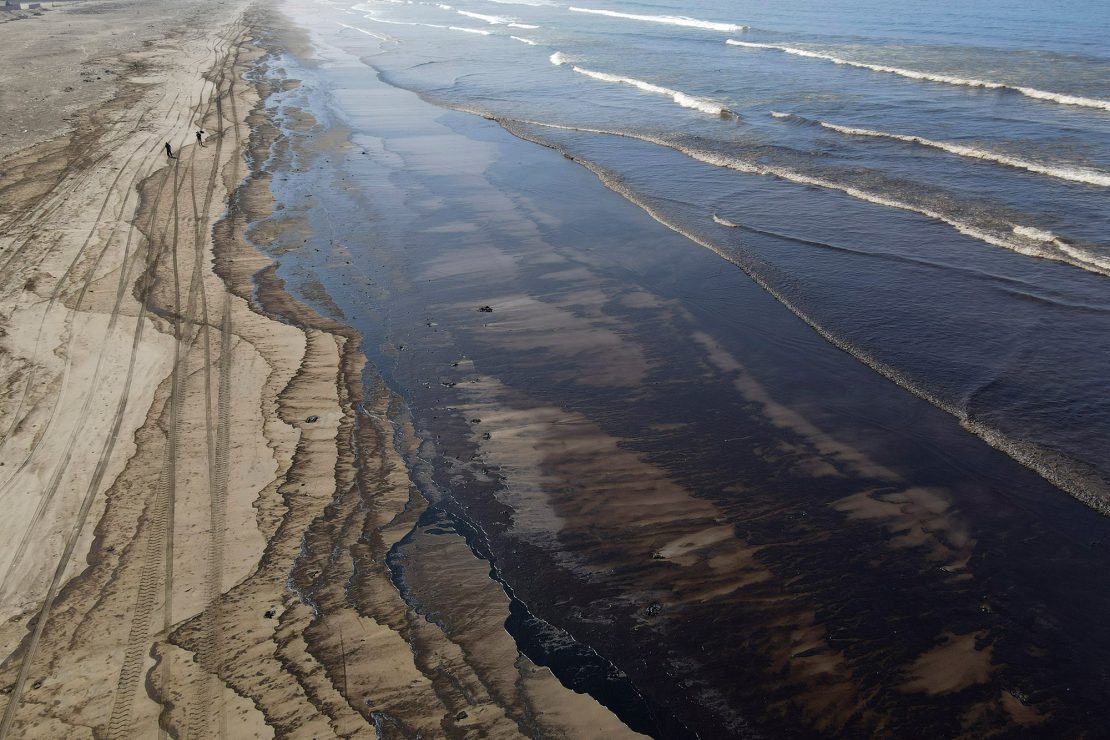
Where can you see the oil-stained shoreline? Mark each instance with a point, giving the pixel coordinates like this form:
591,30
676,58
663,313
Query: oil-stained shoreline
433,410
823,577
336,550
235,582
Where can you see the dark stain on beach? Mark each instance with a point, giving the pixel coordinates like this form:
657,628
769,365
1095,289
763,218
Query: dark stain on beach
704,515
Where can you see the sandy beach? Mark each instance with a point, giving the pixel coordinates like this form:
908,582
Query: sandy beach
175,426
363,415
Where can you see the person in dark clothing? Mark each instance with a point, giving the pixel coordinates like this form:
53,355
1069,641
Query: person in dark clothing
169,150
200,133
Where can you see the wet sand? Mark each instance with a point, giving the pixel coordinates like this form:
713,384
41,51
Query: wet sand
368,418
705,515
187,447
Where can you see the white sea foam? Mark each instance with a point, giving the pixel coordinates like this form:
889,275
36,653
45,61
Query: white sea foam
523,40
1021,239
527,26
375,19
1099,263
686,101
776,114
946,79
670,20
1031,241
558,58
724,222
469,30
491,19
363,30
1063,172
1086,488
1035,234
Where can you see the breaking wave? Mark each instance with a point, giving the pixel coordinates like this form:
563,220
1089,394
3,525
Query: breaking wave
946,79
1077,478
363,30
704,105
523,40
670,20
491,19
402,23
1018,238
558,58
1063,172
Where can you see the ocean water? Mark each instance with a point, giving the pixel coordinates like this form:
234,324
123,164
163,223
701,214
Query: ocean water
789,416
925,184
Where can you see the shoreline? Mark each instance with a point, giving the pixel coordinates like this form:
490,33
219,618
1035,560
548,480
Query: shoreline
594,422
340,424
211,599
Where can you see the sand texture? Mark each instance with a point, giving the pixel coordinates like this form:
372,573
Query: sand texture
199,494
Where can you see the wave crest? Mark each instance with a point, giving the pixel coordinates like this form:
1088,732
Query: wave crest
670,20
1018,238
705,105
491,19
946,79
1062,172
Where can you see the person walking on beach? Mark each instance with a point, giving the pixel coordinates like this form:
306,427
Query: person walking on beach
200,133
169,150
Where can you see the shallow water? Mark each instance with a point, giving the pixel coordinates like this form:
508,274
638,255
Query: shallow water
927,186
708,516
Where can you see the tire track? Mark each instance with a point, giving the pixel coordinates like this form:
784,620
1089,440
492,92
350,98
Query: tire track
90,392
60,285
152,561
159,545
59,471
167,500
218,448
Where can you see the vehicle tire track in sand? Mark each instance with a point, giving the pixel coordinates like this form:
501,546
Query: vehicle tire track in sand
71,542
89,277
59,288
148,282
155,551
60,468
158,552
90,392
60,199
219,448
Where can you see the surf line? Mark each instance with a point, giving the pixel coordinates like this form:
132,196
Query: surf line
363,30
1062,172
1082,486
494,20
670,20
1029,92
705,105
1018,238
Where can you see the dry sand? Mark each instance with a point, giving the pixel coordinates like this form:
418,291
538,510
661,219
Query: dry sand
181,542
